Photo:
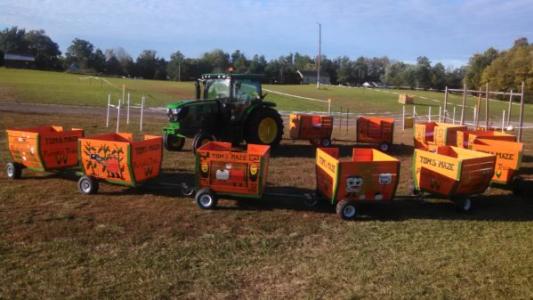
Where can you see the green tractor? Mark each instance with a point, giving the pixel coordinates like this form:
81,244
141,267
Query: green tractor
228,107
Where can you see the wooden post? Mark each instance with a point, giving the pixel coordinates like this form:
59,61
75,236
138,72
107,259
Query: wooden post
503,120
142,114
347,118
453,118
429,114
108,106
478,109
464,105
445,102
414,112
128,111
329,106
118,116
123,93
487,118
510,108
340,120
403,117
440,113
521,118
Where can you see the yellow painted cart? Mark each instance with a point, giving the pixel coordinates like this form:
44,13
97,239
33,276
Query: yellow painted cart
370,175
453,173
430,135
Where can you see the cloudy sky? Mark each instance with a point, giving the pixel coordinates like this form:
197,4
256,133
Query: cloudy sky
446,31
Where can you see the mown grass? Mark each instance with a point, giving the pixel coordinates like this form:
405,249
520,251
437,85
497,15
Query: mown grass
150,243
61,88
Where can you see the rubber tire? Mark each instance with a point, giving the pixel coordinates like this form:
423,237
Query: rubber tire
516,186
173,142
186,190
384,147
13,170
325,142
311,201
346,209
199,139
206,192
252,126
463,205
91,187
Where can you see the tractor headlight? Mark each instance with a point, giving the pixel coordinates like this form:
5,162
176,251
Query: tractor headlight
176,111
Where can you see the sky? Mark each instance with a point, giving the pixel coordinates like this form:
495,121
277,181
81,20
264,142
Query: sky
444,31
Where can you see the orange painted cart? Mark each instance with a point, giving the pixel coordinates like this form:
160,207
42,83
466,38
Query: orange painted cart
453,172
376,130
315,128
220,170
44,148
370,175
118,159
430,135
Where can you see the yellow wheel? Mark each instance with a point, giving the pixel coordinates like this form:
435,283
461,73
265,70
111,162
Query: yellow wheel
264,126
268,130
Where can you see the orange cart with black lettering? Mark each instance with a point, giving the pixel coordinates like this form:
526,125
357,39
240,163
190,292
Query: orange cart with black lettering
315,128
223,171
453,173
44,148
430,135
370,175
376,130
116,158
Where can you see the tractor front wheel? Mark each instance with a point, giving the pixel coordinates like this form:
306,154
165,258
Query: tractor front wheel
265,127
173,142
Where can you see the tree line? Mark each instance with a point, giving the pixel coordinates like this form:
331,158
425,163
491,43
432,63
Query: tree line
504,70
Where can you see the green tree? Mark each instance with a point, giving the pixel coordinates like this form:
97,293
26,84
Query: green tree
44,50
79,52
476,65
146,64
239,62
175,65
438,76
13,40
423,72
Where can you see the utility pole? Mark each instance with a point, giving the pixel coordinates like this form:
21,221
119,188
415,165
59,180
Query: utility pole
319,55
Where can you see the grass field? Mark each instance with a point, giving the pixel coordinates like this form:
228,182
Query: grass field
62,88
55,243
151,243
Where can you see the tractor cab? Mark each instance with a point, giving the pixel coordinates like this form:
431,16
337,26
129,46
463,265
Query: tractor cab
228,107
234,92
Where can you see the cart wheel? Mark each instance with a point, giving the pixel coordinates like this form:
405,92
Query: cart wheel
346,209
464,205
13,170
186,190
516,186
201,139
384,147
325,142
206,199
311,200
87,185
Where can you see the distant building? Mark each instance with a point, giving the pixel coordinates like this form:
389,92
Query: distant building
310,77
12,60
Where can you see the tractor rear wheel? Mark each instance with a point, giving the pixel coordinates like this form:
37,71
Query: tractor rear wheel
265,127
173,142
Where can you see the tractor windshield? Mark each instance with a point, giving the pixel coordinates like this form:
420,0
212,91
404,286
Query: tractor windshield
246,90
217,89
